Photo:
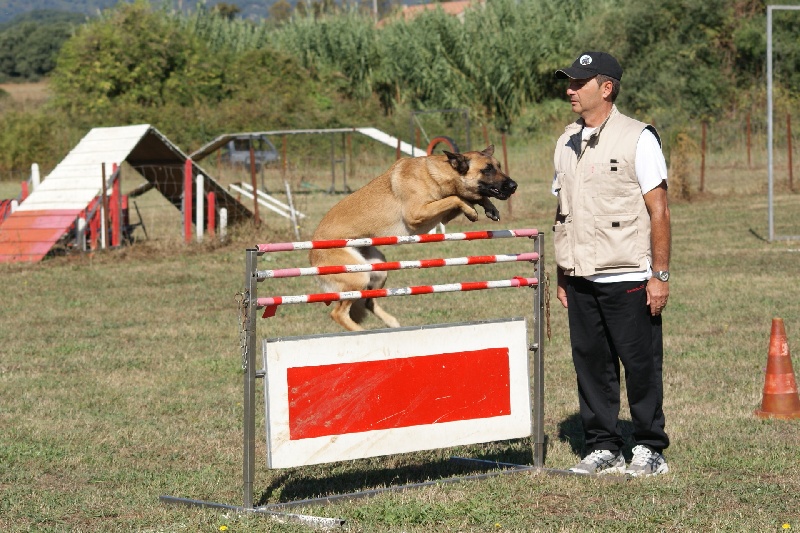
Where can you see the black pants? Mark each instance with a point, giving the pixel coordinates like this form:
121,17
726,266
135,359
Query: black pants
609,323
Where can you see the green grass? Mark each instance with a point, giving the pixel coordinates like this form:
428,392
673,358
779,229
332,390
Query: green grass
120,381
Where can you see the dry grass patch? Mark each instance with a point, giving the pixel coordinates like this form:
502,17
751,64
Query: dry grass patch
30,94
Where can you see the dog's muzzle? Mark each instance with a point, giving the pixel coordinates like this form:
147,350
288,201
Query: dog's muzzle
502,191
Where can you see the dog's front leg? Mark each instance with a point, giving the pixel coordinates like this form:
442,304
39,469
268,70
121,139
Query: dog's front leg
491,211
422,214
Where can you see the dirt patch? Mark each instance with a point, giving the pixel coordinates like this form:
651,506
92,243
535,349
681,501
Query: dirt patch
28,93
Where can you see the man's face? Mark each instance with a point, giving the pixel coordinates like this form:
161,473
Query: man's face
585,95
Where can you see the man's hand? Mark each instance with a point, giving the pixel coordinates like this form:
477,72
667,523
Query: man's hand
657,295
561,290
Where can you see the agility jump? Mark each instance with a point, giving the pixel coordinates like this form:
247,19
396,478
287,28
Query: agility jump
380,392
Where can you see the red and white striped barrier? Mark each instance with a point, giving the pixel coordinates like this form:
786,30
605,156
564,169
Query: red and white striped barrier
403,239
271,303
395,265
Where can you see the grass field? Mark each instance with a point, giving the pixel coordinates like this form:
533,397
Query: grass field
120,380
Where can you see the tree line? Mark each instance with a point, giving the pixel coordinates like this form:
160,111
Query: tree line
684,61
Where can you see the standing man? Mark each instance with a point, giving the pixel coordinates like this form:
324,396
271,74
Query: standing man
612,247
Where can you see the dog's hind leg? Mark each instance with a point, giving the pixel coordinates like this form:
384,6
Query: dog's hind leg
378,311
341,315
377,280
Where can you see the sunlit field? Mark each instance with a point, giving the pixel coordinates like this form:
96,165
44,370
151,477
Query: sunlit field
121,380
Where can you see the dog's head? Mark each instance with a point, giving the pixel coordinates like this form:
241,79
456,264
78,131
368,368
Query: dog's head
481,175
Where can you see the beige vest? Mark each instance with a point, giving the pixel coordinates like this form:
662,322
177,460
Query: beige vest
606,227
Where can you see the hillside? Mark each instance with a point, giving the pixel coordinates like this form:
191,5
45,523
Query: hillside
14,8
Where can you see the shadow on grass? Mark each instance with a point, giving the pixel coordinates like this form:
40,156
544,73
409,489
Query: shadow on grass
364,475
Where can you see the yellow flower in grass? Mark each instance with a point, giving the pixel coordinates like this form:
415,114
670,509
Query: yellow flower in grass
223,527
787,526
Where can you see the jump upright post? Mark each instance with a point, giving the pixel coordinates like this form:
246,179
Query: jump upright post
303,428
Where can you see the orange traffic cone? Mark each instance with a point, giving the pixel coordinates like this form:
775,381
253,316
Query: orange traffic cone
780,398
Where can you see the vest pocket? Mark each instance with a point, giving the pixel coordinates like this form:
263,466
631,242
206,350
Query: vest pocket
563,245
616,238
560,188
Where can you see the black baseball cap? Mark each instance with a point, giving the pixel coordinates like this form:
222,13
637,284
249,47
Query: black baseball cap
589,65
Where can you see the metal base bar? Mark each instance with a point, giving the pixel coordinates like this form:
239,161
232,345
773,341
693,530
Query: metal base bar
305,519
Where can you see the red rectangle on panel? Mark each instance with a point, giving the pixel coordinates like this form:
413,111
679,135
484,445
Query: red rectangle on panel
413,391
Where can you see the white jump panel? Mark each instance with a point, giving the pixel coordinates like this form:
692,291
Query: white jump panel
354,395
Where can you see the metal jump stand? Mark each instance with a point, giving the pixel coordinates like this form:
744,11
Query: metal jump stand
249,306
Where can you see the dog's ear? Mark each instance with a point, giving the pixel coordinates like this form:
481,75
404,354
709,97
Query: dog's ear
458,162
488,151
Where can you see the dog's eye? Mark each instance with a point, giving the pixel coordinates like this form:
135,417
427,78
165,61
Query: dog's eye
489,169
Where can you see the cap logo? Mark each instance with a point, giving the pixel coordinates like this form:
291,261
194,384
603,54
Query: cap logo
585,60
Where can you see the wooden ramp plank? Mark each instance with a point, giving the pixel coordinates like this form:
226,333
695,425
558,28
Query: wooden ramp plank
30,235
28,220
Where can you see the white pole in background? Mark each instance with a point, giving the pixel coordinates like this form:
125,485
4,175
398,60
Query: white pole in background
80,234
292,212
35,177
769,123
103,210
223,223
770,137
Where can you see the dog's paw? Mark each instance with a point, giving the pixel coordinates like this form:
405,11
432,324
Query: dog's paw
471,214
493,213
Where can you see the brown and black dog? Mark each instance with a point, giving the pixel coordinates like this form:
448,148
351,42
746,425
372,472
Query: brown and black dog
411,198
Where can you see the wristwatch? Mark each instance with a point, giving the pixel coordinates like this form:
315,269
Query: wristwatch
663,275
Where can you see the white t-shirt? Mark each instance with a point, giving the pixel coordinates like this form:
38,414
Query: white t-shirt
651,170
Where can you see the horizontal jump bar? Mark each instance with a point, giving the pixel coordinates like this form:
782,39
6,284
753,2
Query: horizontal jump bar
394,265
404,291
401,239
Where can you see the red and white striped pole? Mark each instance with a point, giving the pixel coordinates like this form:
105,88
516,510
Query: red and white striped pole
402,239
394,265
270,304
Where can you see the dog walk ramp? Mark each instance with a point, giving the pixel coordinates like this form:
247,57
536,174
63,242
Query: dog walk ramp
385,138
373,133
46,216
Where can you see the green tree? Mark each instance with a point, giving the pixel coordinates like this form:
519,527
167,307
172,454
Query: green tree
301,8
345,45
134,56
280,11
29,46
225,10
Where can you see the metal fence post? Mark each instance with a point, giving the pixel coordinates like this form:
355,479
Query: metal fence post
537,395
248,364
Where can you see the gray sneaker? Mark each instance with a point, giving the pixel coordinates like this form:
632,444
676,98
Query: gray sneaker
600,462
646,462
